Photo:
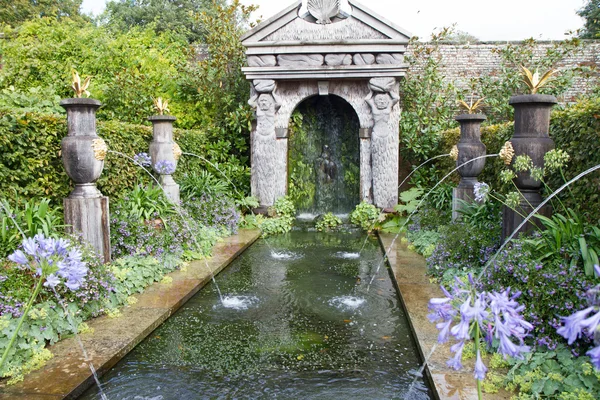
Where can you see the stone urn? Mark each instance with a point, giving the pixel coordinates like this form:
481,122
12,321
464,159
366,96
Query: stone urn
86,210
532,125
164,148
469,148
82,152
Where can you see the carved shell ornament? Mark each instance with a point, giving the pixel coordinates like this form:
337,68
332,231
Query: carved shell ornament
177,151
324,10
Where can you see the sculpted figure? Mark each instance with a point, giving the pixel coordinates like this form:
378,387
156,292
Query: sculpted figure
381,106
326,167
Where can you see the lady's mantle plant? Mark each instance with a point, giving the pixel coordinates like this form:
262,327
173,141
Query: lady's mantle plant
466,313
54,262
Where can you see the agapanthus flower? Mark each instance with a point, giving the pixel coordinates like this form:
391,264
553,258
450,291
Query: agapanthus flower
507,153
586,321
523,163
492,314
481,191
513,199
555,159
142,159
164,167
54,260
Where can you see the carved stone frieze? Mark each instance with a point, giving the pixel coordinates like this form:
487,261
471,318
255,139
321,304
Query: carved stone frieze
396,58
363,59
299,60
262,61
338,59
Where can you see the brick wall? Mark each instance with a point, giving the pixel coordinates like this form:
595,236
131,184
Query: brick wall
464,61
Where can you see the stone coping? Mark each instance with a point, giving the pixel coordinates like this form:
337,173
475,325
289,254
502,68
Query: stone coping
415,290
67,376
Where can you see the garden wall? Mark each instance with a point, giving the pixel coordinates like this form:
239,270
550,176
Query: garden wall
463,61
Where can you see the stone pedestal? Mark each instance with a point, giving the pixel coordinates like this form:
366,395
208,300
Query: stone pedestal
164,148
83,153
90,217
470,147
532,123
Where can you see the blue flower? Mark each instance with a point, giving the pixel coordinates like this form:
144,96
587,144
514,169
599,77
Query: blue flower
480,368
165,167
142,159
52,259
572,325
481,191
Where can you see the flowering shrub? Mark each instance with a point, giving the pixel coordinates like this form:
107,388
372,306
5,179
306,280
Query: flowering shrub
462,248
215,211
551,289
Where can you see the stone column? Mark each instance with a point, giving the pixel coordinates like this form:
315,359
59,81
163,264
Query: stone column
384,141
469,148
163,148
265,147
532,124
83,153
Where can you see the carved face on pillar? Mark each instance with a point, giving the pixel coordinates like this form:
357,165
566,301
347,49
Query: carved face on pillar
382,101
265,102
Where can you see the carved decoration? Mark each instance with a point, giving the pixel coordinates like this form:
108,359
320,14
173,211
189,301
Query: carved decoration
363,59
338,59
347,29
262,61
323,10
390,58
265,154
100,149
384,141
299,60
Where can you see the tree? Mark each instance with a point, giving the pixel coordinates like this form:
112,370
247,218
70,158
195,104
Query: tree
15,12
591,14
166,15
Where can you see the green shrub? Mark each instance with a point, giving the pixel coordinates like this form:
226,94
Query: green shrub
283,214
365,215
328,222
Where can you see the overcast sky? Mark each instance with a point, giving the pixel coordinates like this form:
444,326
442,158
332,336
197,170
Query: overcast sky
486,20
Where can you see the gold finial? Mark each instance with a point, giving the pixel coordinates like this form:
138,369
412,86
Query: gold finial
161,105
78,87
533,81
471,107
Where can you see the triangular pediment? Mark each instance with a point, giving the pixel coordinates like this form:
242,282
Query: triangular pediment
362,25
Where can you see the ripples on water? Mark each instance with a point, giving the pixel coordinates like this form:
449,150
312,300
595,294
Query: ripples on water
303,329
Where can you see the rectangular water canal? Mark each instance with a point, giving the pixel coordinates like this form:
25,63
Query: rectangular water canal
298,320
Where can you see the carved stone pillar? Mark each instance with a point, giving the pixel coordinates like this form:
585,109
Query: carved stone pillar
83,152
469,148
265,147
532,124
384,141
163,148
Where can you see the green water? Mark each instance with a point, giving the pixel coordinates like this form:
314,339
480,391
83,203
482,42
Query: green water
306,327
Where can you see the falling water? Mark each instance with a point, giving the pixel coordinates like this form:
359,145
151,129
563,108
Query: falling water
324,160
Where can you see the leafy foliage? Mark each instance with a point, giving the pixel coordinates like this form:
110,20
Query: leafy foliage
365,215
15,12
283,213
32,217
553,374
591,13
161,15
328,222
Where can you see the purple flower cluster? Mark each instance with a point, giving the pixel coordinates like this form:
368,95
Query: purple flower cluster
53,259
214,211
550,289
586,321
10,305
496,315
142,159
165,167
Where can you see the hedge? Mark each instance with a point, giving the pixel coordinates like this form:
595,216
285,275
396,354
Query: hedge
31,166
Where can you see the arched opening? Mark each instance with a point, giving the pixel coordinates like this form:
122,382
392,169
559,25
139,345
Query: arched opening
324,156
